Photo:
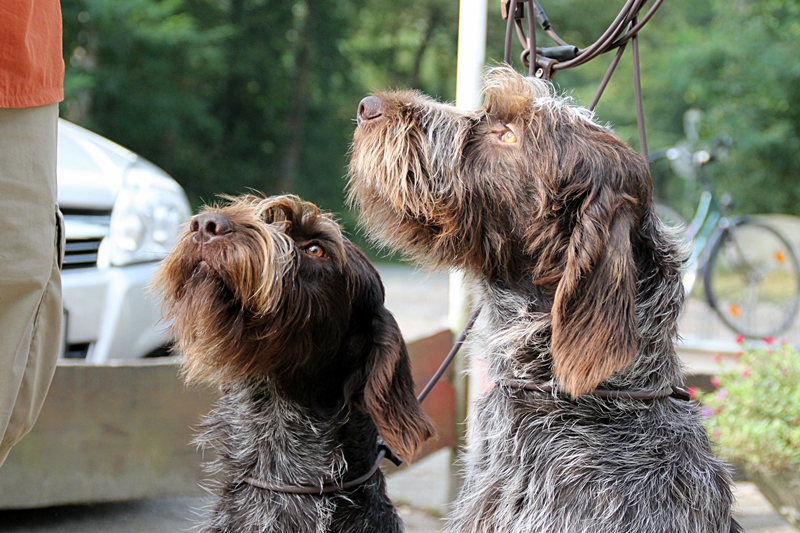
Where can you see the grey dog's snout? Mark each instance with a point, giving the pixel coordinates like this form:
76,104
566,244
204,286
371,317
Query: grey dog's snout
369,108
209,226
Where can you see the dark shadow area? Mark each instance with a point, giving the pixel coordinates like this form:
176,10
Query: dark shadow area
167,514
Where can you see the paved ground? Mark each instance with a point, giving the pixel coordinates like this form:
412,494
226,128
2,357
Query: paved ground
420,493
419,300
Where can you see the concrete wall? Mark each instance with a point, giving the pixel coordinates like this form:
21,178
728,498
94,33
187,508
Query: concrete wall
108,433
123,432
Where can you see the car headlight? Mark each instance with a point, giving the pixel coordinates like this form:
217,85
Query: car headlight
146,217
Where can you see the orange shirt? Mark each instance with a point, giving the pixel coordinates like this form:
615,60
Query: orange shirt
31,65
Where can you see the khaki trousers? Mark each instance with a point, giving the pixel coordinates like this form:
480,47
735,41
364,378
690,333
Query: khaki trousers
31,243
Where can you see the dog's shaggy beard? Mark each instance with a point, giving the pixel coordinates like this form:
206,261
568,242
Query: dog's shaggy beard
412,187
221,322
423,172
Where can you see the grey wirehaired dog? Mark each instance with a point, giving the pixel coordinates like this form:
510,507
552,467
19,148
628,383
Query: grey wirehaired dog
271,303
581,292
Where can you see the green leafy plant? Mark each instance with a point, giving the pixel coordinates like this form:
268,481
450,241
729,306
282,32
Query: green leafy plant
754,413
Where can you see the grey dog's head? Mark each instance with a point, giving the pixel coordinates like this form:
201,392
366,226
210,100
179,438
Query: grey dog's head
525,191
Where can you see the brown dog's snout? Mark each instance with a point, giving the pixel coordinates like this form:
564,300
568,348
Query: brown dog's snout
369,108
209,226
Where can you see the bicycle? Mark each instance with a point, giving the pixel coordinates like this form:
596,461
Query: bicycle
750,270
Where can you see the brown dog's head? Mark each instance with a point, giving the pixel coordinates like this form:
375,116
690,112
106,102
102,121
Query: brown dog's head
269,288
526,191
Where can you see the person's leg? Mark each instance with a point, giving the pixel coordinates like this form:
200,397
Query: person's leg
30,282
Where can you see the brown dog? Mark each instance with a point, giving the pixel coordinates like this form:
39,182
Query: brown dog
580,287
272,304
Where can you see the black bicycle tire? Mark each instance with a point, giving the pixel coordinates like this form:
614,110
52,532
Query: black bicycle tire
718,241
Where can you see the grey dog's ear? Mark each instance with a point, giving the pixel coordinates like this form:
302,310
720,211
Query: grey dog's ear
389,391
594,315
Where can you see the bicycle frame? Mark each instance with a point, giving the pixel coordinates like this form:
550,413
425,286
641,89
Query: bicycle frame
698,233
707,224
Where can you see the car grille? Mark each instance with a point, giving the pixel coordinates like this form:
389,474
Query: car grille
81,253
83,244
77,351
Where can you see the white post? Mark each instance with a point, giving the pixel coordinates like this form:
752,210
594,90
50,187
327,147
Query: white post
471,52
471,57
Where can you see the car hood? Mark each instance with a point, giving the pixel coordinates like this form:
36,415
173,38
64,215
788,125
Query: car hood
91,169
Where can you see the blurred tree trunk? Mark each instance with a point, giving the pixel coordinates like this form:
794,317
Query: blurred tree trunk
231,108
298,101
433,22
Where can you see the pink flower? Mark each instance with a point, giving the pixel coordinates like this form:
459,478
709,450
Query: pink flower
715,381
718,358
692,392
740,338
717,435
769,340
745,372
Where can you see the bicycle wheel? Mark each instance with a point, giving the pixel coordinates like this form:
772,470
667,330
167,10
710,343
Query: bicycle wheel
752,279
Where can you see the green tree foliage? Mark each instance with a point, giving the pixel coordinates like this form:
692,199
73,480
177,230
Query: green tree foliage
406,44
753,95
234,94
735,61
147,74
248,94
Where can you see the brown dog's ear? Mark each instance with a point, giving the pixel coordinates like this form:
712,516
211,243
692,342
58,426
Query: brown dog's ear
594,315
389,390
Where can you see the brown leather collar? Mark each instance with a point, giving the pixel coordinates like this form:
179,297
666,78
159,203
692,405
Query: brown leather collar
383,453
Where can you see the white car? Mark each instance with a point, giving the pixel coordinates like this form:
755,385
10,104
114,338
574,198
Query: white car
122,215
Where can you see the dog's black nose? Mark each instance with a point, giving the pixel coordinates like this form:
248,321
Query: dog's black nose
369,108
209,226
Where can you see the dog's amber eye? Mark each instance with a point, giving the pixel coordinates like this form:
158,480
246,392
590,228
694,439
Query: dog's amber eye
314,250
508,136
